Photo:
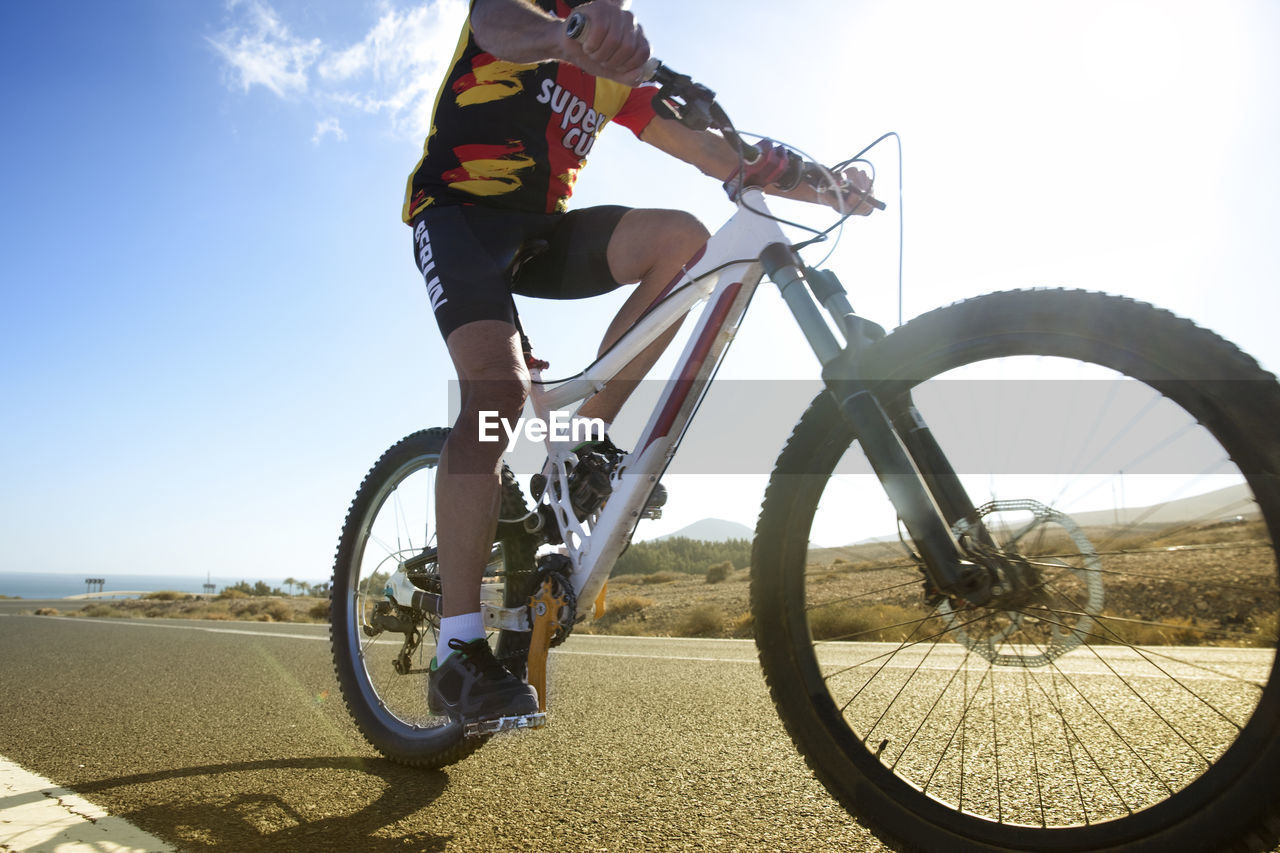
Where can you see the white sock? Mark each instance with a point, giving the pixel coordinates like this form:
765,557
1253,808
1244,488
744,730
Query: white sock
464,628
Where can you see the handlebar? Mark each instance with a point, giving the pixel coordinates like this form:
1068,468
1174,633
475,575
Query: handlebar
694,105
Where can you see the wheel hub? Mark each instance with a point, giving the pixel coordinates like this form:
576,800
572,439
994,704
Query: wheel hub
1047,588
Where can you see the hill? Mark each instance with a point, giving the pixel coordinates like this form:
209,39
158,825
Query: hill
711,530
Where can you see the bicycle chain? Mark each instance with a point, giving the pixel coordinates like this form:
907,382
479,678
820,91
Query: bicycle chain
554,569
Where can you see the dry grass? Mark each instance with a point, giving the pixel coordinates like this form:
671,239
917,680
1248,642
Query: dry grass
881,623
1159,589
704,620
1175,631
239,609
102,611
658,577
1266,629
627,605
719,572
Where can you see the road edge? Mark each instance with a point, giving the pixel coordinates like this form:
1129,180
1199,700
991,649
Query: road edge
36,812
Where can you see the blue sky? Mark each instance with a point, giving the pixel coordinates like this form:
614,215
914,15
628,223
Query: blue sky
212,325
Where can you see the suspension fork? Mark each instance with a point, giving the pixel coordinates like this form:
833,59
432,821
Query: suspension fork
890,455
934,466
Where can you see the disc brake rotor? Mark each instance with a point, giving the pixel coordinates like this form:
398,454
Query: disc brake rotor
1047,594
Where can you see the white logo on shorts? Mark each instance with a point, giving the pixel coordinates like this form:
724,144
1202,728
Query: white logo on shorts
435,290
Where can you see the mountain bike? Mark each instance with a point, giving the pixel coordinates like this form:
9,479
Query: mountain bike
1013,584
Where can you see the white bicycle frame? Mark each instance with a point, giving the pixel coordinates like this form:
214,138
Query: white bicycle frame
725,273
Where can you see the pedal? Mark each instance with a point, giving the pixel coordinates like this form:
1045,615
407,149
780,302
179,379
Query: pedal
504,724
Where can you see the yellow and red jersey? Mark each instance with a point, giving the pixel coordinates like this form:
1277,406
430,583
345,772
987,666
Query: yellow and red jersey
514,136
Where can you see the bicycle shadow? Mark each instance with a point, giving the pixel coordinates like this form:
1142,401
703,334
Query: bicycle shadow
280,804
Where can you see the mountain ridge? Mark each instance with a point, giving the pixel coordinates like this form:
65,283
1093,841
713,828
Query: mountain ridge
710,530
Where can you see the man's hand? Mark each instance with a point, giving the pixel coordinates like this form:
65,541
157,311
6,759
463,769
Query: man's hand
852,194
612,45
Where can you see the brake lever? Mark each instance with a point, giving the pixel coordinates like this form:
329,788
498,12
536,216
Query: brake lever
690,103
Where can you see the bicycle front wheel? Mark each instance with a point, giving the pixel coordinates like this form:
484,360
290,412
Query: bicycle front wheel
1120,692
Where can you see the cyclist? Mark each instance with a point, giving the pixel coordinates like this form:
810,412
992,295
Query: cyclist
520,109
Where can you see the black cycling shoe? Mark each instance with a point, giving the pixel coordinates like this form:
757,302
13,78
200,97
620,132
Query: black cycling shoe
471,686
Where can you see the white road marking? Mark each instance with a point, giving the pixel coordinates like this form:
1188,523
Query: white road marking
36,813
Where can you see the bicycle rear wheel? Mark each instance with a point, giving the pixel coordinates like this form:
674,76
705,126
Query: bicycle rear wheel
382,649
1121,691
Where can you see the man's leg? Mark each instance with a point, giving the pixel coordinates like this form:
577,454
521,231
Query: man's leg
493,378
472,685
649,247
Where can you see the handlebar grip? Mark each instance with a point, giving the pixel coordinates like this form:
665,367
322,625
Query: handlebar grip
575,27
815,178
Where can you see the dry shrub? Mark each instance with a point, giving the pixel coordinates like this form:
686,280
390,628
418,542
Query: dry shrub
165,595
632,626
1172,631
626,605
661,577
233,593
279,611
100,611
742,626
1267,628
319,611
705,620
719,572
270,610
47,611
624,614
866,623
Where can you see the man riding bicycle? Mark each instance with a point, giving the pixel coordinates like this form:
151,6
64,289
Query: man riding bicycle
519,111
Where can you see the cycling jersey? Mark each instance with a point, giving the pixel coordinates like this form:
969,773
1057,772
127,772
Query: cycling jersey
514,136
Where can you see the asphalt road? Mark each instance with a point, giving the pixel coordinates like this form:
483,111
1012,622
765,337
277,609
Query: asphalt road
224,735
217,735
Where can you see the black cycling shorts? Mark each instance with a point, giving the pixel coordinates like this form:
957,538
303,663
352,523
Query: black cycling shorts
465,254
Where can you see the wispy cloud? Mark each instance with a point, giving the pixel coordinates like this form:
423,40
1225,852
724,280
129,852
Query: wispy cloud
260,51
393,69
328,127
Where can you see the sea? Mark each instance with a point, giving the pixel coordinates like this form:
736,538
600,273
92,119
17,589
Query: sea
52,585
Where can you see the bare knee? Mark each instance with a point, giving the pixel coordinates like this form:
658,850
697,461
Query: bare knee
649,241
683,228
493,379
500,396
